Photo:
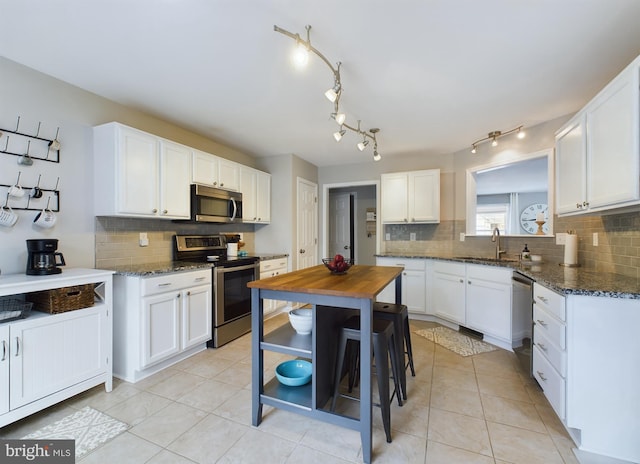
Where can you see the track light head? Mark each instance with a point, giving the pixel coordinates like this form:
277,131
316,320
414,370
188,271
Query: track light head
521,134
474,149
362,145
332,93
300,56
339,117
339,134
376,156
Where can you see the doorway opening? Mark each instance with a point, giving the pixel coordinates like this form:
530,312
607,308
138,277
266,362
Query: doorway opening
350,223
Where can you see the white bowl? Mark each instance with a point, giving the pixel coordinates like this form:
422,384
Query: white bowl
301,320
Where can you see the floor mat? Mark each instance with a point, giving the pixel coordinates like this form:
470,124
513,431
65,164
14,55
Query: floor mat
88,427
455,341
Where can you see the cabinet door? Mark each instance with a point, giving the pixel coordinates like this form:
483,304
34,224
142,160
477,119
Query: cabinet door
263,200
160,327
53,353
138,167
175,177
571,168
248,187
414,291
204,169
612,141
228,175
4,368
394,203
489,307
424,196
196,316
448,293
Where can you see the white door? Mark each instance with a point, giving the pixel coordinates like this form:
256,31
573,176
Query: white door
571,168
175,176
424,196
248,186
138,173
307,241
263,201
394,202
340,226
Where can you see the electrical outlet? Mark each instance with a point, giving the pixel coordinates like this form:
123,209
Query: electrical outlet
412,236
387,236
144,239
595,239
462,236
561,238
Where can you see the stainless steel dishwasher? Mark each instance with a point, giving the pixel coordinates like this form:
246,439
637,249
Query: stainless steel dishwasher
522,314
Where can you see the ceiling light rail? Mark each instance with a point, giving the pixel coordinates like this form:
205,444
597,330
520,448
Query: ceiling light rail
495,135
303,47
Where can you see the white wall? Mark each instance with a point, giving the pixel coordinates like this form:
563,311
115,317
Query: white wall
36,97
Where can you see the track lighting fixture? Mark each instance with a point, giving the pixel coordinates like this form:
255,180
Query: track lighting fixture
303,47
494,136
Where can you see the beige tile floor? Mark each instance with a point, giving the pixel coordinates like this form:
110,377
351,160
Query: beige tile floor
476,409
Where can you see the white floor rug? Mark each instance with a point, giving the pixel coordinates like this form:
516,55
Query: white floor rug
88,427
455,341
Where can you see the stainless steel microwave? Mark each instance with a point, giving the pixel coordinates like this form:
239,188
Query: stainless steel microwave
209,204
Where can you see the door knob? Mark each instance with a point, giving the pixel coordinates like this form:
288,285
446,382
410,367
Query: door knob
301,250
346,247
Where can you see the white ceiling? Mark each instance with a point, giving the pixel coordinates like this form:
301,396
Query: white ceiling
434,75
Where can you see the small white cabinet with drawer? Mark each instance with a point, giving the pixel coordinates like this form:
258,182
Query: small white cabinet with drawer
550,343
414,283
160,321
272,268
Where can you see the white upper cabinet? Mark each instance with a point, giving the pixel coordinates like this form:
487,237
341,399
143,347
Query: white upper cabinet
214,171
139,175
411,197
256,195
598,151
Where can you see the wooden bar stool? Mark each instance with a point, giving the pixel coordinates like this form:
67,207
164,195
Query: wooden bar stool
399,315
384,348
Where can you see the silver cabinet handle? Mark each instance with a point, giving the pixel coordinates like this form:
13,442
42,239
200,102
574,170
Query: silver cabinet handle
585,203
188,294
541,346
4,350
541,374
469,282
164,211
221,184
200,279
346,247
154,210
166,284
543,299
17,346
541,322
301,250
461,281
215,183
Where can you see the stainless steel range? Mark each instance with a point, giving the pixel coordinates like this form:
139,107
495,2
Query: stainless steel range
231,297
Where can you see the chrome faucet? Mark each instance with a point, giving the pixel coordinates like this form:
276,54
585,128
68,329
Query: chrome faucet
495,237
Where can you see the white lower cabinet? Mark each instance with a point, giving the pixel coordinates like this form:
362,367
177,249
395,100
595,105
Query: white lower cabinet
414,284
488,298
160,320
271,268
449,298
46,358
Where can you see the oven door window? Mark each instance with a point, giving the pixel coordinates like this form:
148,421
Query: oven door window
236,296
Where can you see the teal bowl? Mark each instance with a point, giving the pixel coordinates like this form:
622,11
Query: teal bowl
294,373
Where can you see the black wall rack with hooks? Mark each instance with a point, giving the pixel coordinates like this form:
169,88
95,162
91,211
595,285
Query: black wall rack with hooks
53,145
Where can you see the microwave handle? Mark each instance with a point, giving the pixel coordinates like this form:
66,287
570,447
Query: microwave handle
235,209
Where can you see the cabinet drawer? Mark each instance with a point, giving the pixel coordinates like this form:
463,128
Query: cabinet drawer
549,326
174,281
490,273
550,300
443,267
556,356
417,264
551,382
273,264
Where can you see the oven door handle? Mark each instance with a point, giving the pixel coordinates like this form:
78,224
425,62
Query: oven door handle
224,269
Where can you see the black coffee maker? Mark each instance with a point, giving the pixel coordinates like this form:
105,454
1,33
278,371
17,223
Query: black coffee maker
43,257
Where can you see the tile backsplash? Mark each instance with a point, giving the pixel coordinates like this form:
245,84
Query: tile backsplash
618,248
117,239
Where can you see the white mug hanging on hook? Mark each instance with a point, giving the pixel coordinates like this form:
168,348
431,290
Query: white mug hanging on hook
7,217
16,191
45,218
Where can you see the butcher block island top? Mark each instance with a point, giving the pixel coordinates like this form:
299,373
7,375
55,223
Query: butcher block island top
359,281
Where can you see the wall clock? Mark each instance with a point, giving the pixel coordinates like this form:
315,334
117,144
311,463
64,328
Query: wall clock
529,215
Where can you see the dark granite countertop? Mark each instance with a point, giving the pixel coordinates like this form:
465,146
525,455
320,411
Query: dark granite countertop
565,280
152,269
267,256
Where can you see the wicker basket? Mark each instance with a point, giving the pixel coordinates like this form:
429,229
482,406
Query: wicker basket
61,300
11,309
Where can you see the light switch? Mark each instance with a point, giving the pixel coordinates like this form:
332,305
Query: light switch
412,236
595,239
462,236
144,239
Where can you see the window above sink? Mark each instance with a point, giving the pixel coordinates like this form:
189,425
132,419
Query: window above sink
514,194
